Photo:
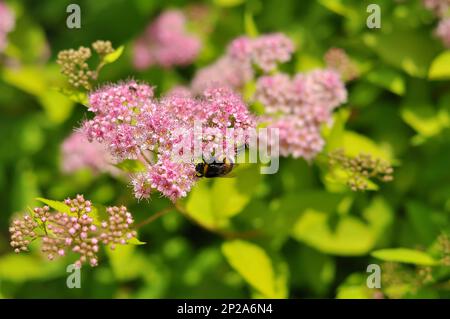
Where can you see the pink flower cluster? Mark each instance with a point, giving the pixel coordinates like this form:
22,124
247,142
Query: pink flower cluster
299,106
7,22
441,8
235,68
443,31
166,42
338,60
135,125
265,51
77,153
73,230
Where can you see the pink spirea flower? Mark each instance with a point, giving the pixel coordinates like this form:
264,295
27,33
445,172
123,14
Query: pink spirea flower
439,7
321,87
270,49
316,89
166,42
225,72
179,91
215,110
265,51
298,138
115,107
338,60
275,93
235,68
173,180
78,153
7,22
443,31
299,106
135,125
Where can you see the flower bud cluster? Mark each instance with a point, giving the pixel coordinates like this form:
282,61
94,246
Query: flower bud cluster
361,168
338,60
74,63
75,230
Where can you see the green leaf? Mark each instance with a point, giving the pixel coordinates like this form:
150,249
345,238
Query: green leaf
355,144
131,166
213,202
135,241
24,186
57,107
125,262
380,216
20,268
320,269
253,264
249,24
409,51
113,56
334,135
388,79
420,217
74,95
339,7
56,205
440,67
27,78
354,287
349,236
63,208
425,120
405,255
228,3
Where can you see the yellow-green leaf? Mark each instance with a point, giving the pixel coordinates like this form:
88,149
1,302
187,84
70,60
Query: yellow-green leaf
355,144
131,166
250,27
425,120
253,264
56,205
349,236
440,67
135,241
405,255
228,3
113,56
388,79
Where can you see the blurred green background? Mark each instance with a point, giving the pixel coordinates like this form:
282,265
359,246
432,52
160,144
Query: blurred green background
314,240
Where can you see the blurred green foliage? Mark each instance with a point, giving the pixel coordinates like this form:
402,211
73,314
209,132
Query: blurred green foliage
300,233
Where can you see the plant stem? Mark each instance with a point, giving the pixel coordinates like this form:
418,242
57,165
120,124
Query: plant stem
223,233
154,217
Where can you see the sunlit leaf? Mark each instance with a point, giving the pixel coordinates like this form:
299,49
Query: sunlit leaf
405,255
250,27
440,67
135,241
425,120
348,236
228,3
113,56
388,79
411,52
253,264
56,205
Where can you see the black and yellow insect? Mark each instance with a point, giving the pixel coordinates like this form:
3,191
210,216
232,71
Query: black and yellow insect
214,169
